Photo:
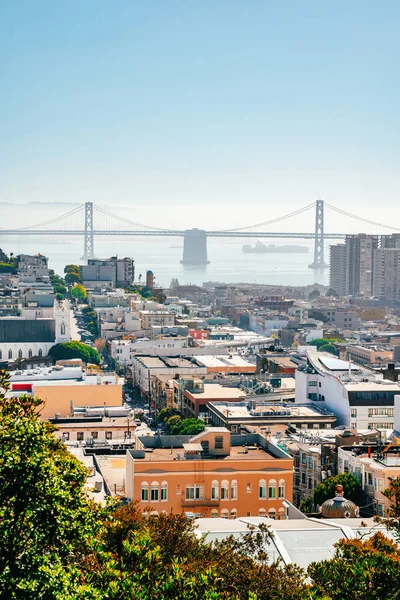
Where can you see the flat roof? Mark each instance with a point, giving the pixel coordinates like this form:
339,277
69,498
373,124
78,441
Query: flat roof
216,390
237,453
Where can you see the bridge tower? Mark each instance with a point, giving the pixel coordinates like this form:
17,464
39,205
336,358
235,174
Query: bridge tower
195,247
88,251
319,262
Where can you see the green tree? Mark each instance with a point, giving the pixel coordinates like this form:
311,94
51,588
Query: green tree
329,348
368,570
172,425
314,294
323,342
68,350
166,413
326,489
191,427
46,523
78,292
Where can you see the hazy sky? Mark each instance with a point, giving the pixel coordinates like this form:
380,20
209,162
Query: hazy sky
245,109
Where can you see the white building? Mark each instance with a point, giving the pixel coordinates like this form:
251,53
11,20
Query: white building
33,335
360,398
122,351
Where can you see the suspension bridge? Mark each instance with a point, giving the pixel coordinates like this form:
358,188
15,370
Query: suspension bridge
91,221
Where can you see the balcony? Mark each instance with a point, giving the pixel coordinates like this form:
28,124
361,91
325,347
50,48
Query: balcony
186,503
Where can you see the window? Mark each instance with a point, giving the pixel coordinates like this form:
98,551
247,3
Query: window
224,490
262,489
248,514
219,442
353,425
65,435
281,488
262,512
224,514
281,513
214,514
248,488
40,353
309,483
79,436
370,482
312,383
194,492
1,354
108,435
10,354
353,413
29,353
178,488
272,489
234,490
214,490
233,513
145,492
164,491
272,513
303,478
19,354
62,329
95,435
154,492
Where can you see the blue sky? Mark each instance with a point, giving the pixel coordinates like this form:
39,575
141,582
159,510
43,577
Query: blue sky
239,109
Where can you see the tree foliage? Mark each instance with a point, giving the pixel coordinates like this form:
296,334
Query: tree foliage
330,348
319,342
78,292
46,524
55,544
68,350
72,274
368,570
326,489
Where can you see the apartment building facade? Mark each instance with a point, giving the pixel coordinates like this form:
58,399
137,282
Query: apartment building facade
212,474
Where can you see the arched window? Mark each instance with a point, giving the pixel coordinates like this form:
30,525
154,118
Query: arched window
272,489
224,513
154,513
29,353
234,489
154,491
272,513
262,512
62,329
224,490
281,513
281,488
262,489
164,491
20,354
40,353
214,514
233,513
214,490
145,492
10,354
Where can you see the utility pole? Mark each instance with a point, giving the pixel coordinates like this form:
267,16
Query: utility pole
319,239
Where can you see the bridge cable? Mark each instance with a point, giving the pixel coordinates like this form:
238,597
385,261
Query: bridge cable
68,214
347,214
122,220
276,220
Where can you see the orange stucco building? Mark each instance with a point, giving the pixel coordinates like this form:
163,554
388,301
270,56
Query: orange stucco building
213,474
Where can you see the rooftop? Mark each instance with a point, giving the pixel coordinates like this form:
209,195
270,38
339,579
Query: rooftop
215,390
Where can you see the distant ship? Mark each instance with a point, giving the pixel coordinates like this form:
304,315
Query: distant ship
260,248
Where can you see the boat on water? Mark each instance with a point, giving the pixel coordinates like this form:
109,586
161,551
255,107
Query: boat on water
260,248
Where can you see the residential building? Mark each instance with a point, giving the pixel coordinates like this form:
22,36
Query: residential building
359,264
368,355
264,414
359,397
33,268
112,272
374,469
337,269
155,318
340,317
144,367
208,475
386,282
65,389
194,395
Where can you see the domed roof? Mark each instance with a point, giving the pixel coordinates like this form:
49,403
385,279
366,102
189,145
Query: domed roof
338,507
